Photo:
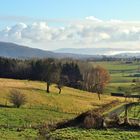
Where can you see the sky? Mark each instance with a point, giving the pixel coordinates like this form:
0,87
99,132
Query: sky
54,24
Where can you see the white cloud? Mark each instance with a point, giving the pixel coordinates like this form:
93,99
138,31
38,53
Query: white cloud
90,32
92,18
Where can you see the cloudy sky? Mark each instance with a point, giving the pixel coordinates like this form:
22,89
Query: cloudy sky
54,24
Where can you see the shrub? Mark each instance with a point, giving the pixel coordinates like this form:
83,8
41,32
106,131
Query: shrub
134,80
93,120
17,98
112,121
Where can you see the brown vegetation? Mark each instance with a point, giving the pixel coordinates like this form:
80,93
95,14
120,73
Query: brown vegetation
95,80
17,98
90,119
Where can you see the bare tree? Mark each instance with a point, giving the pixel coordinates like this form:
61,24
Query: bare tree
95,80
50,73
63,80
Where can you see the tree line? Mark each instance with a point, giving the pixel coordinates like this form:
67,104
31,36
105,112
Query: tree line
80,75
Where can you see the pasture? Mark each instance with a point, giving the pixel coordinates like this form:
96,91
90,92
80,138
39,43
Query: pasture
49,108
41,108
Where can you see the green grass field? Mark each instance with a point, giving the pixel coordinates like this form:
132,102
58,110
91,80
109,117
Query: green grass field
14,134
43,108
92,134
134,112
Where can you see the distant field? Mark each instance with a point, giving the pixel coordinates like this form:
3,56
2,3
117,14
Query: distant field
122,74
118,66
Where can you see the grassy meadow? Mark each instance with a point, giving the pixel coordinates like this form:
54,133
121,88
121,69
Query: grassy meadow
41,107
44,108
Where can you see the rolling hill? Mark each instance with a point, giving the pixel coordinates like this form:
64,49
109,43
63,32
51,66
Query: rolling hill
41,108
12,50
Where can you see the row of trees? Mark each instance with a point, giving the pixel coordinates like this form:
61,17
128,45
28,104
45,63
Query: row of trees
79,75
48,70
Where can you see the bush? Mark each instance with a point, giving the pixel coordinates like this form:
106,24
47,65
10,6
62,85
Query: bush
93,120
17,98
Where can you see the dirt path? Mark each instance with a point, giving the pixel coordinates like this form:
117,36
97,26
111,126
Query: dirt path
120,109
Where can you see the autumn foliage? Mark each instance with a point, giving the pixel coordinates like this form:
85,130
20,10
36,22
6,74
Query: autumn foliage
95,80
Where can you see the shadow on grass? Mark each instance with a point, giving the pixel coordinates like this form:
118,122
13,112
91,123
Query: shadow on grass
128,127
38,90
27,88
5,106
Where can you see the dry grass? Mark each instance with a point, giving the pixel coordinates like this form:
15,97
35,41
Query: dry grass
70,101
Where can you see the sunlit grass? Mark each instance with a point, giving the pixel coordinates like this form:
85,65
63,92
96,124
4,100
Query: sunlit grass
42,107
70,100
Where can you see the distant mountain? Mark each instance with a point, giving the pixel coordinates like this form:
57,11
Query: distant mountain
84,51
88,51
12,50
98,52
18,51
127,55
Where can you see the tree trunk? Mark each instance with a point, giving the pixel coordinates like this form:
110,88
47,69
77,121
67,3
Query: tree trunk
126,115
59,90
125,98
99,96
48,88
